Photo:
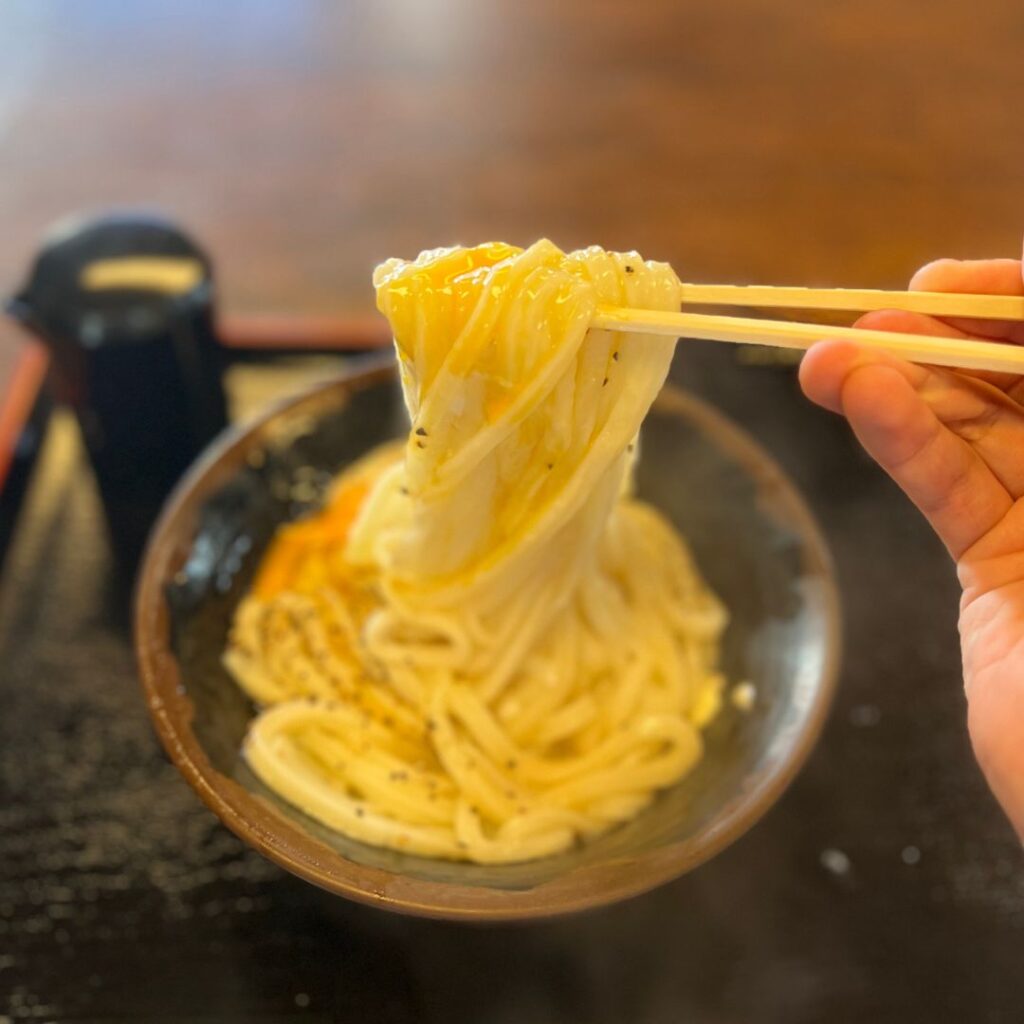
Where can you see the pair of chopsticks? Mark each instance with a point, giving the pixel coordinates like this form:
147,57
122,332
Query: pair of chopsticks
957,352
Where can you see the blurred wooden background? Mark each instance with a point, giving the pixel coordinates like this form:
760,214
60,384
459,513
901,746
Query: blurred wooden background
841,142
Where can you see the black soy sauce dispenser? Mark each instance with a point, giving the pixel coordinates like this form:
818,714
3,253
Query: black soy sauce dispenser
125,303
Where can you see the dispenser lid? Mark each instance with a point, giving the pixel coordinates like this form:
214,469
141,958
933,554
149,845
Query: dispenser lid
114,278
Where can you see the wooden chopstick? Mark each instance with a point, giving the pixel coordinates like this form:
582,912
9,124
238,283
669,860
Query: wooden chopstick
989,307
917,348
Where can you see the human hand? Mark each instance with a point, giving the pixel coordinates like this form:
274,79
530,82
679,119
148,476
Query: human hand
954,442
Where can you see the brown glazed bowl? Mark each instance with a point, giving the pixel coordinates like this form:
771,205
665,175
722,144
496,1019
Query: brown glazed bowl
753,538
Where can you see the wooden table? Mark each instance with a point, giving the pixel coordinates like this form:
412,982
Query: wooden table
758,141
302,141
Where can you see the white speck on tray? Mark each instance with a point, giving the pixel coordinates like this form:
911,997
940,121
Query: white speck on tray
864,716
835,861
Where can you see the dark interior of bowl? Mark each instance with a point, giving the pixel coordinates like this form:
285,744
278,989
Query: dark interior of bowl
752,538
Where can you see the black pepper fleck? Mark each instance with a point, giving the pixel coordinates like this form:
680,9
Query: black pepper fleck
604,383
629,269
421,432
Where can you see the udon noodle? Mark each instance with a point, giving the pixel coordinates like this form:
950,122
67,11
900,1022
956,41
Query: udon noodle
484,647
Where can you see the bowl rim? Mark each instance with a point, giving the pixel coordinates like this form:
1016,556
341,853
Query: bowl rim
173,713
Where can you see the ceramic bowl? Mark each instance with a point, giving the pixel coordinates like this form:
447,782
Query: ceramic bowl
754,540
